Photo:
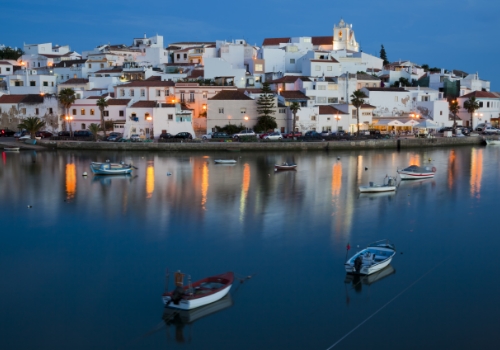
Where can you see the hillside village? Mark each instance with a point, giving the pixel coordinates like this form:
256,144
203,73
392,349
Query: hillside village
151,87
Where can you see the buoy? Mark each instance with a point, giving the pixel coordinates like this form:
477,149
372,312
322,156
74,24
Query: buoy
29,206
168,174
84,173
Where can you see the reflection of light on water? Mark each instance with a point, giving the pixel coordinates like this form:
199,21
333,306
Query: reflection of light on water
150,180
414,159
451,168
336,179
359,168
70,181
476,172
204,185
244,189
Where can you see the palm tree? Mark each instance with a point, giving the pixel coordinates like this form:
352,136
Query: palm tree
294,108
102,104
66,98
471,105
94,129
32,125
454,108
357,100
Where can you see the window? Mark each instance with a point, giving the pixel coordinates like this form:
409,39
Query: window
329,68
120,113
480,104
321,87
122,92
7,69
83,126
23,110
45,83
92,111
143,92
317,68
292,60
440,112
191,96
36,111
204,94
243,110
167,93
313,118
282,110
90,65
425,98
221,110
52,83
321,99
333,100
74,111
131,92
32,83
178,56
158,93
170,117
185,56
82,111
105,113
50,111
258,67
102,65
487,104
354,113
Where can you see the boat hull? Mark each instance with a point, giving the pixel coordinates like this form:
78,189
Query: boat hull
376,189
492,142
194,303
11,149
284,167
408,175
225,161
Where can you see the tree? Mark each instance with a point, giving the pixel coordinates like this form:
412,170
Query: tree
66,98
102,104
383,55
32,125
454,108
294,108
357,100
94,129
8,53
402,81
471,105
265,109
425,67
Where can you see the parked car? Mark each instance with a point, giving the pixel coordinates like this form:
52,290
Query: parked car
313,135
273,136
447,128
244,133
43,134
113,136
293,134
480,127
216,135
63,134
135,138
82,133
184,135
325,133
6,133
20,133
490,130
165,136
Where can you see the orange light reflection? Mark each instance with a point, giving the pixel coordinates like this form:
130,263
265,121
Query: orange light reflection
70,181
476,172
204,185
150,181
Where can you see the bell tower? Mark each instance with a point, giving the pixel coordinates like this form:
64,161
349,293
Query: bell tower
343,37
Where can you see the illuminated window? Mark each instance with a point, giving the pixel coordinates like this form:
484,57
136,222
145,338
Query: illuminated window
83,111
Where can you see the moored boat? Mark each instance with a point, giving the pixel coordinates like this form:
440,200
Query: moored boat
492,141
11,149
371,259
225,161
110,168
199,293
389,185
414,172
285,166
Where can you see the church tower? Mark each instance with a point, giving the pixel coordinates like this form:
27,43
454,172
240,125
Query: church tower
343,37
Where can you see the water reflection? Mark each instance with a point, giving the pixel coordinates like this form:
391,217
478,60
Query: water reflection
451,168
150,179
476,172
204,185
244,189
357,281
70,181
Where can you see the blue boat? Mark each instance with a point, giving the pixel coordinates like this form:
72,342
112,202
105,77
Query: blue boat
110,168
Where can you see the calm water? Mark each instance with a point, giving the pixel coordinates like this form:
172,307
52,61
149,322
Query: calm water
84,268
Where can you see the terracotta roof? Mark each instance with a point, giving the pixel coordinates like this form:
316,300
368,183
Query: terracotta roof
293,95
289,79
5,62
147,83
230,95
28,98
275,41
386,89
479,94
144,104
153,78
366,77
75,81
366,106
118,102
330,110
322,40
197,73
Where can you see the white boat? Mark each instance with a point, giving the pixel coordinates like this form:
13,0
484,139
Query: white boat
172,316
199,293
110,168
371,259
492,141
285,166
414,172
389,185
224,161
11,149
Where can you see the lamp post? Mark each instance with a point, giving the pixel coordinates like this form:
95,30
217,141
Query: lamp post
337,117
246,125
68,120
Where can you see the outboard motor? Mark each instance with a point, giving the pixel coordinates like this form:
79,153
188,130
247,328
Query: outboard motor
390,182
358,262
177,295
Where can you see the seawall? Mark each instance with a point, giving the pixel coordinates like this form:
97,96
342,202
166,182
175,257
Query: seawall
402,143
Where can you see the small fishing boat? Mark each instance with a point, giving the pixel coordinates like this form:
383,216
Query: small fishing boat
199,293
11,149
225,161
492,141
414,172
371,259
110,168
285,166
389,185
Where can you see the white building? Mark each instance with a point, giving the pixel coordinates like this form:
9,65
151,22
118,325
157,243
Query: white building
14,108
489,107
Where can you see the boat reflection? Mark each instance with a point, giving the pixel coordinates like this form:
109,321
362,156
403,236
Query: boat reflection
181,318
106,180
377,195
358,281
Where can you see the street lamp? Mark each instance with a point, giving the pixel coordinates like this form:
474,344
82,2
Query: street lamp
246,119
338,117
68,120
